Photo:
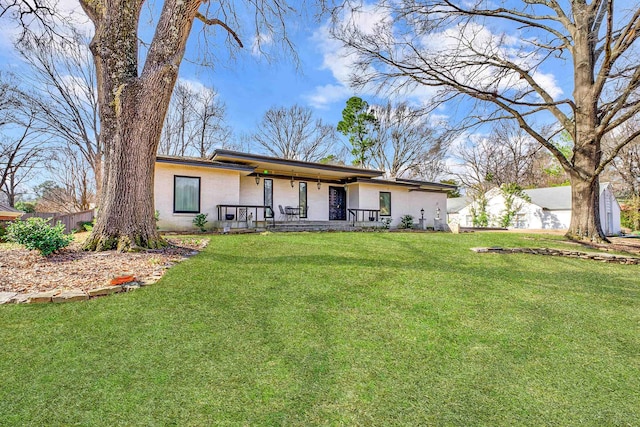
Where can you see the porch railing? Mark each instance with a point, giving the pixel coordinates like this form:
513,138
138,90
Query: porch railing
244,213
363,215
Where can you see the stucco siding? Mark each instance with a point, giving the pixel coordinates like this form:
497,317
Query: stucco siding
403,202
217,186
285,195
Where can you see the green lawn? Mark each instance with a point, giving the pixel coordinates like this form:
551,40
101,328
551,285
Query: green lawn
338,329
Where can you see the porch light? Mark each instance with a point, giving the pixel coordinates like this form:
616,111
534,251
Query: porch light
292,182
319,185
257,179
422,213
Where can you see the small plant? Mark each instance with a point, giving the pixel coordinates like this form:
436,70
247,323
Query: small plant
3,233
386,223
200,220
37,233
406,222
156,217
85,226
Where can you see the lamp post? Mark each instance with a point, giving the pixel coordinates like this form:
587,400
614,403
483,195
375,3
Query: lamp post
422,214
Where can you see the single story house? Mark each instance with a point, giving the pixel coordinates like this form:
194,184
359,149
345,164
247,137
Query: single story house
548,208
242,190
7,213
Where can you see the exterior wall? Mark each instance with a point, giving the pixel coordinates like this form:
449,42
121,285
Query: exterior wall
285,195
609,213
533,216
403,202
217,187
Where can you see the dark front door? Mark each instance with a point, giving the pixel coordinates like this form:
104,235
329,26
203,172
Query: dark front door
337,203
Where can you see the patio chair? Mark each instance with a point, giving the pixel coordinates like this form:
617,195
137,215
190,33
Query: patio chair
292,212
283,214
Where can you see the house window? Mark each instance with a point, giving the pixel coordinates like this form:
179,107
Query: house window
186,194
468,220
268,196
385,203
302,199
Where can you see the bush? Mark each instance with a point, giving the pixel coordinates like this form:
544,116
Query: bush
200,220
36,233
3,233
85,226
406,221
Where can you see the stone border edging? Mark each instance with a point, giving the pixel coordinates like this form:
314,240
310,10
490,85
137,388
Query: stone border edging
69,295
595,256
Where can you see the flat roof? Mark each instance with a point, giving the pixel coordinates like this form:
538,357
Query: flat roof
198,161
298,168
412,185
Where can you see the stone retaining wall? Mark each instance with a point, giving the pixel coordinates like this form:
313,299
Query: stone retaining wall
595,256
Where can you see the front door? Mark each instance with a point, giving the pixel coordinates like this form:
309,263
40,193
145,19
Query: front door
337,203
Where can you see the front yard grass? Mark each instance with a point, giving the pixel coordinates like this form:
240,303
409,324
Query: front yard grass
338,329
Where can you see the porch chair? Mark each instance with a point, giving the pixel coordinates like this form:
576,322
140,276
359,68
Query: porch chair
283,214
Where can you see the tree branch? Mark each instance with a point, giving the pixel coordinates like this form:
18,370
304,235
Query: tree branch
216,21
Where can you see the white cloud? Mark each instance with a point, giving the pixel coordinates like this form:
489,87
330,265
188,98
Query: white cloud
322,96
339,60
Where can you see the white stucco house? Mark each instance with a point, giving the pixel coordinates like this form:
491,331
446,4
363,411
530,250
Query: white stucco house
242,190
548,208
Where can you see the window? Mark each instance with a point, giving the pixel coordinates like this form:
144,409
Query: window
302,199
468,220
385,203
268,197
186,194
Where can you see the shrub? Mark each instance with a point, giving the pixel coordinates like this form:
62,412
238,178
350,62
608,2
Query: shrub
3,233
36,233
85,226
406,221
200,220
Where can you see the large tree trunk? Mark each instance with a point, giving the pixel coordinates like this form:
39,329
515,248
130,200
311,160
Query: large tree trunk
585,211
587,152
132,111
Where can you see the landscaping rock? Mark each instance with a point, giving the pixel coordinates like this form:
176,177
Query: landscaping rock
42,297
594,256
107,290
7,297
131,287
72,295
21,298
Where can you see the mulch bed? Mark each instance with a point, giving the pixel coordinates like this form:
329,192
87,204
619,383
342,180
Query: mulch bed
27,271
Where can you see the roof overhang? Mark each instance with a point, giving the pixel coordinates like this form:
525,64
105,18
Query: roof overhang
205,163
411,185
273,166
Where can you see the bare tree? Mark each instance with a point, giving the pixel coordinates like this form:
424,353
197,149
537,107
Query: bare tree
508,155
293,133
195,122
63,77
21,152
407,144
72,188
625,167
449,47
133,97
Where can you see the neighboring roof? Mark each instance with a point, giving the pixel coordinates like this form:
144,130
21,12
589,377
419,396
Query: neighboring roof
552,198
456,204
197,161
285,167
5,209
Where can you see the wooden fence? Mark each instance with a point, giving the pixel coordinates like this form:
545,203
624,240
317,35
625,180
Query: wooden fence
71,221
